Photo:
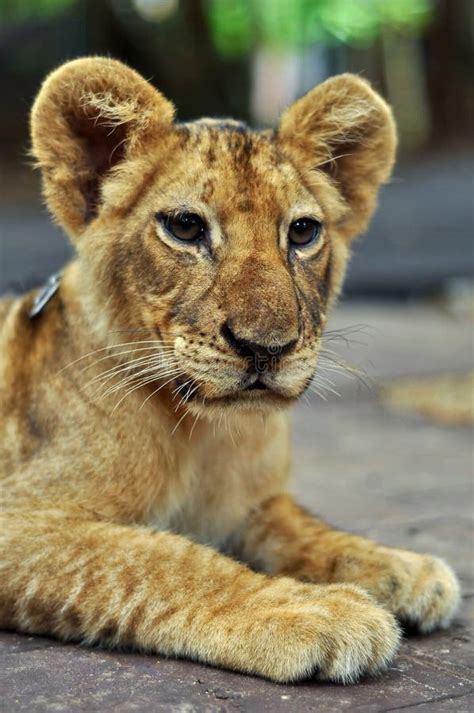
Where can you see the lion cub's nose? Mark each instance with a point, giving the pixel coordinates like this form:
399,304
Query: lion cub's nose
248,348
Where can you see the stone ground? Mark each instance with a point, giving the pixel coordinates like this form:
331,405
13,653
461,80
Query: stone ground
393,476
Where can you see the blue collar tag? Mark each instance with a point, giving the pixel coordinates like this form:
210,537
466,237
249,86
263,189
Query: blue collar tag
43,297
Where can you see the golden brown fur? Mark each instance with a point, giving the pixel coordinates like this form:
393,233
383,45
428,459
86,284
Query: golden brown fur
139,473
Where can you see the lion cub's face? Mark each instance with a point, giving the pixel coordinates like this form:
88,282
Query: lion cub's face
227,257
223,244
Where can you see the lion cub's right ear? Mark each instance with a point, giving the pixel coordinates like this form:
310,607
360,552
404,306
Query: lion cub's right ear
90,115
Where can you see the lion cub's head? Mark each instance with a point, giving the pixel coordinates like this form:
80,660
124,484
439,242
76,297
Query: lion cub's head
227,244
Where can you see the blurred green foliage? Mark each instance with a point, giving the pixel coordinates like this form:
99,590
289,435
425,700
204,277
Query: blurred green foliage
239,25
18,10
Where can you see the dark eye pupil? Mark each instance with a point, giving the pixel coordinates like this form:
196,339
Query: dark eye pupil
187,226
304,231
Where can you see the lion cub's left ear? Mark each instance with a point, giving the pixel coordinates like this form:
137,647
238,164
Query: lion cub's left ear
90,115
343,128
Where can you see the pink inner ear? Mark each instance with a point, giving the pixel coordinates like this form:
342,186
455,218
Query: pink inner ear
104,147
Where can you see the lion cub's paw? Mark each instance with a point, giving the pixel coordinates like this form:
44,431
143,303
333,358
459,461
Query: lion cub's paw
431,596
338,633
420,590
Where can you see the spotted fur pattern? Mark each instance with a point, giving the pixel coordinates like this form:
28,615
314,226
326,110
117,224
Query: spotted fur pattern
144,480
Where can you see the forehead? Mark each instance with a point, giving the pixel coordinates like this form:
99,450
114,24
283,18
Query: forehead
226,165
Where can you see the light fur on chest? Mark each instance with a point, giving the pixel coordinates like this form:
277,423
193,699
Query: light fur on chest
222,473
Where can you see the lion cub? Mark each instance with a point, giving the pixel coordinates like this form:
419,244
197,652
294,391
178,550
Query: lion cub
144,434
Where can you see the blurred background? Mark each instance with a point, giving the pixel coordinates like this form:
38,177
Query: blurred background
393,440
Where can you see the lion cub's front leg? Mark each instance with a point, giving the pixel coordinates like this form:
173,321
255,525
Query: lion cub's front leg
111,584
281,538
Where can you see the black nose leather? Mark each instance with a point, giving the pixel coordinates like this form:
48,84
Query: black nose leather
247,348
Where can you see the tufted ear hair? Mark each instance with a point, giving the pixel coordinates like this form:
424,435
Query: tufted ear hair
89,116
345,129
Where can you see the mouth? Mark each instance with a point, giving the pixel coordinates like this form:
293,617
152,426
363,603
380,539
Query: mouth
256,386
255,395
255,391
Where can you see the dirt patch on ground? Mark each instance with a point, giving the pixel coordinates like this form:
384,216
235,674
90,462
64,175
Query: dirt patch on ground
446,399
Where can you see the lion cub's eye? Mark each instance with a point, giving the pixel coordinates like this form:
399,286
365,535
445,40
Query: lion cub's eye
187,227
304,231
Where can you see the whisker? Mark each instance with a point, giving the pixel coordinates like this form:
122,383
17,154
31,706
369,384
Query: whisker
312,388
147,330
185,398
156,391
193,426
229,431
149,376
335,370
140,385
339,365
108,348
181,386
152,360
132,369
336,358
128,351
190,393
186,411
344,333
324,379
326,387
131,387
